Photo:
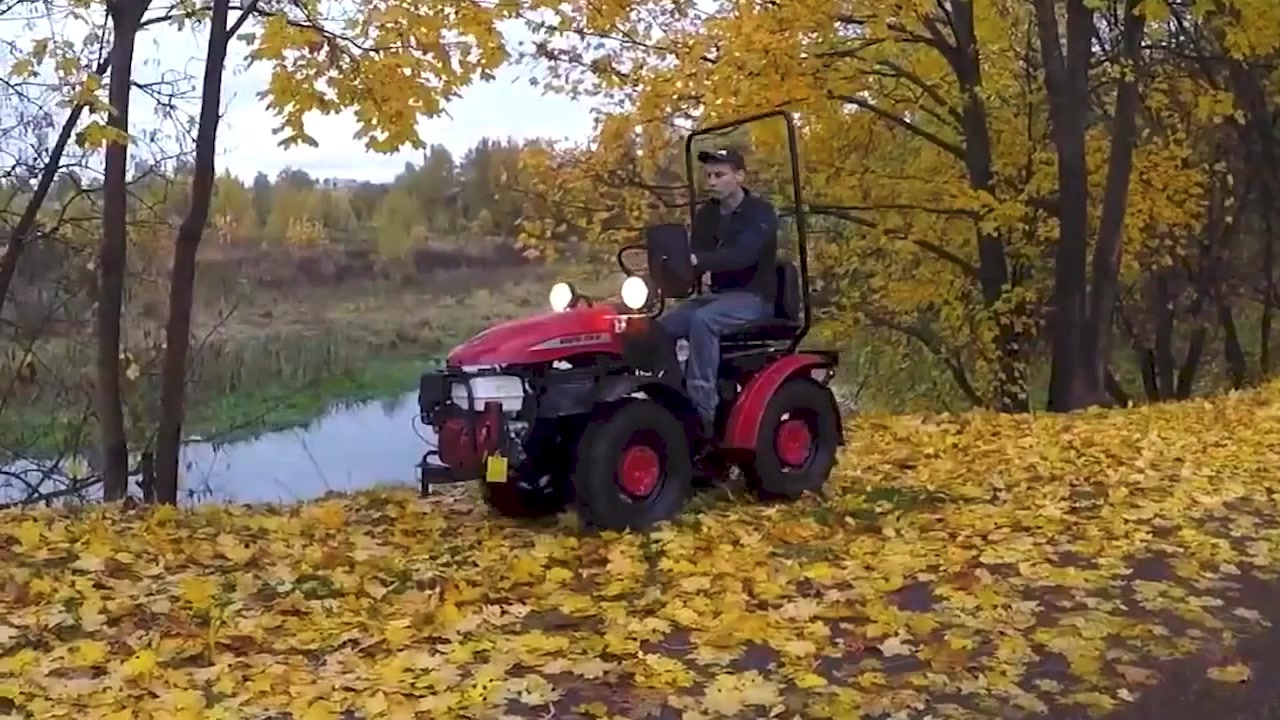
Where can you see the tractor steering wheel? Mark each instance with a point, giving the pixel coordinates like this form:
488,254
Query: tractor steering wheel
623,263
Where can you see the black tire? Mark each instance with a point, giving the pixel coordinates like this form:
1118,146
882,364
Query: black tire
528,500
541,485
771,475
635,430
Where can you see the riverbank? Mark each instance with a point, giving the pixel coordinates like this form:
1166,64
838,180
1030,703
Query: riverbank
972,565
246,414
273,360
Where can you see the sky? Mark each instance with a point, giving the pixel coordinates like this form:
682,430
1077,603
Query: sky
247,146
506,107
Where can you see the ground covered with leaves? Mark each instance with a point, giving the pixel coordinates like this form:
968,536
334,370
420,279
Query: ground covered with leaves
960,566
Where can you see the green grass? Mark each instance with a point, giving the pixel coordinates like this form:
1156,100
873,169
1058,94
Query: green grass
248,413
262,403
279,363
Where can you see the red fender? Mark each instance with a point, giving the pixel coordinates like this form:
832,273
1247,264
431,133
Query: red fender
744,418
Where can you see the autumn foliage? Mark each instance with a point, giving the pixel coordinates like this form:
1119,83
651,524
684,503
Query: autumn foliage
1065,199
1005,184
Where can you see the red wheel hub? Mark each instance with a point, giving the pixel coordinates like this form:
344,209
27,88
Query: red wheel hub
639,470
793,442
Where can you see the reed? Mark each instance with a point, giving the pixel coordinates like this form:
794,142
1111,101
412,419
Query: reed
273,364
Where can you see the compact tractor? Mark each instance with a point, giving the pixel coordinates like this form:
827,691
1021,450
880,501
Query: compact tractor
585,405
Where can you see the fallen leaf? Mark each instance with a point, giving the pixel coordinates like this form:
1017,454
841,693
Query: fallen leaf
1236,673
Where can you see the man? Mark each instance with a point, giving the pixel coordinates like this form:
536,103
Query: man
735,241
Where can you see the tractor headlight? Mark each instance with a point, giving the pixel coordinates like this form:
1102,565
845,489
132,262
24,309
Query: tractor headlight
635,292
560,296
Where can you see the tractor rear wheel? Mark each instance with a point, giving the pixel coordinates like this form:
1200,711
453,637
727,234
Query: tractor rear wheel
797,443
633,467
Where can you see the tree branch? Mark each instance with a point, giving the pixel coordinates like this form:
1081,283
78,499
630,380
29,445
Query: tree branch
943,144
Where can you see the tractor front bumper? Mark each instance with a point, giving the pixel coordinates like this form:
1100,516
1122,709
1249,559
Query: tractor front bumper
430,473
475,437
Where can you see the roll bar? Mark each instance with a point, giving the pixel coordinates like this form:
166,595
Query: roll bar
802,237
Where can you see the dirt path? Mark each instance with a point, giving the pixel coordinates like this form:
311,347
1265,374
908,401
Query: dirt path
1185,692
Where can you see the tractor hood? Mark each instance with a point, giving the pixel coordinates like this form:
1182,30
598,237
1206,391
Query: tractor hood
541,338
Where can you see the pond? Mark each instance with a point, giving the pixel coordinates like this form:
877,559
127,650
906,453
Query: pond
350,447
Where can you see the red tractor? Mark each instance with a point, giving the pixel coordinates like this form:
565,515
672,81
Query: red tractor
586,404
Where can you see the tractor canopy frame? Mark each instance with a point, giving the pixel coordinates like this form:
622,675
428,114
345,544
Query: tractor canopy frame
797,197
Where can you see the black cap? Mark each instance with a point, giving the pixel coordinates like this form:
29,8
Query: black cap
725,156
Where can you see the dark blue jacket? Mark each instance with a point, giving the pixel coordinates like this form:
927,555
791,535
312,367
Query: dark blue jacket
741,252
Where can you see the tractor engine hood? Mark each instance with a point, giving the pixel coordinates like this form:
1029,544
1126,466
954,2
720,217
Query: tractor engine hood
541,338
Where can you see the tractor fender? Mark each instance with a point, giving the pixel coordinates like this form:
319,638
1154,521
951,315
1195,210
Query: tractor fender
661,389
743,427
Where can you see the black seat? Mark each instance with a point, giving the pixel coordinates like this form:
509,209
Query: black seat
786,319
668,255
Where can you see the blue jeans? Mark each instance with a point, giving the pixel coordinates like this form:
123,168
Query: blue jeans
703,320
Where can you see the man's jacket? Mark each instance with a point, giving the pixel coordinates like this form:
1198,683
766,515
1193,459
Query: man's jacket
739,249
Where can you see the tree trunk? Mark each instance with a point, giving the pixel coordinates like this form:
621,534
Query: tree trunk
1115,389
1269,292
1147,365
1191,364
1237,366
1067,83
21,233
1164,311
1250,89
993,266
1264,341
1115,201
126,16
182,279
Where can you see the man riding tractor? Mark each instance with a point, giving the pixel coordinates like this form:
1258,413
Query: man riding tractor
588,405
735,242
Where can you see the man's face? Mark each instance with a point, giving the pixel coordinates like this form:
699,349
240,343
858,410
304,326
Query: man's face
723,180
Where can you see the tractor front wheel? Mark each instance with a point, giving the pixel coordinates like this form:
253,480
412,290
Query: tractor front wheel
796,447
527,499
538,486
633,467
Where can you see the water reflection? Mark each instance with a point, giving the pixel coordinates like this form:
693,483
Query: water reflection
349,448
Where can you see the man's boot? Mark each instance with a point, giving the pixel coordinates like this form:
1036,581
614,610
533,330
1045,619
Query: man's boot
708,467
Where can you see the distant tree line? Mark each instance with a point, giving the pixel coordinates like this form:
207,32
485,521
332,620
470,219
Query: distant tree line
440,197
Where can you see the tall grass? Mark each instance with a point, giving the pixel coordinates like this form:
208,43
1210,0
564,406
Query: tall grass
273,362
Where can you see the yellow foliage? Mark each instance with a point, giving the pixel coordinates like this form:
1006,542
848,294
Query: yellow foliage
953,556
391,62
98,135
894,145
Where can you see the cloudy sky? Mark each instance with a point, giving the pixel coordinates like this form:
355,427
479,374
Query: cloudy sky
505,107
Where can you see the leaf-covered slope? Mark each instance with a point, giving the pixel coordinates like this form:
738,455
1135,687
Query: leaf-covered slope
978,565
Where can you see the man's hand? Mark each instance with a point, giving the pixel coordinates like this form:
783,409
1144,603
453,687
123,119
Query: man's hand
693,259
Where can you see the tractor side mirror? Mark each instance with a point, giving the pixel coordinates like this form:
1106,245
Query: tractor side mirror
669,266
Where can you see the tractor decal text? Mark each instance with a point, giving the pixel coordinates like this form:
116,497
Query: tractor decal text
574,341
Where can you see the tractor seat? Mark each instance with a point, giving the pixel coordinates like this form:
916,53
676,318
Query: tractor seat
786,310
